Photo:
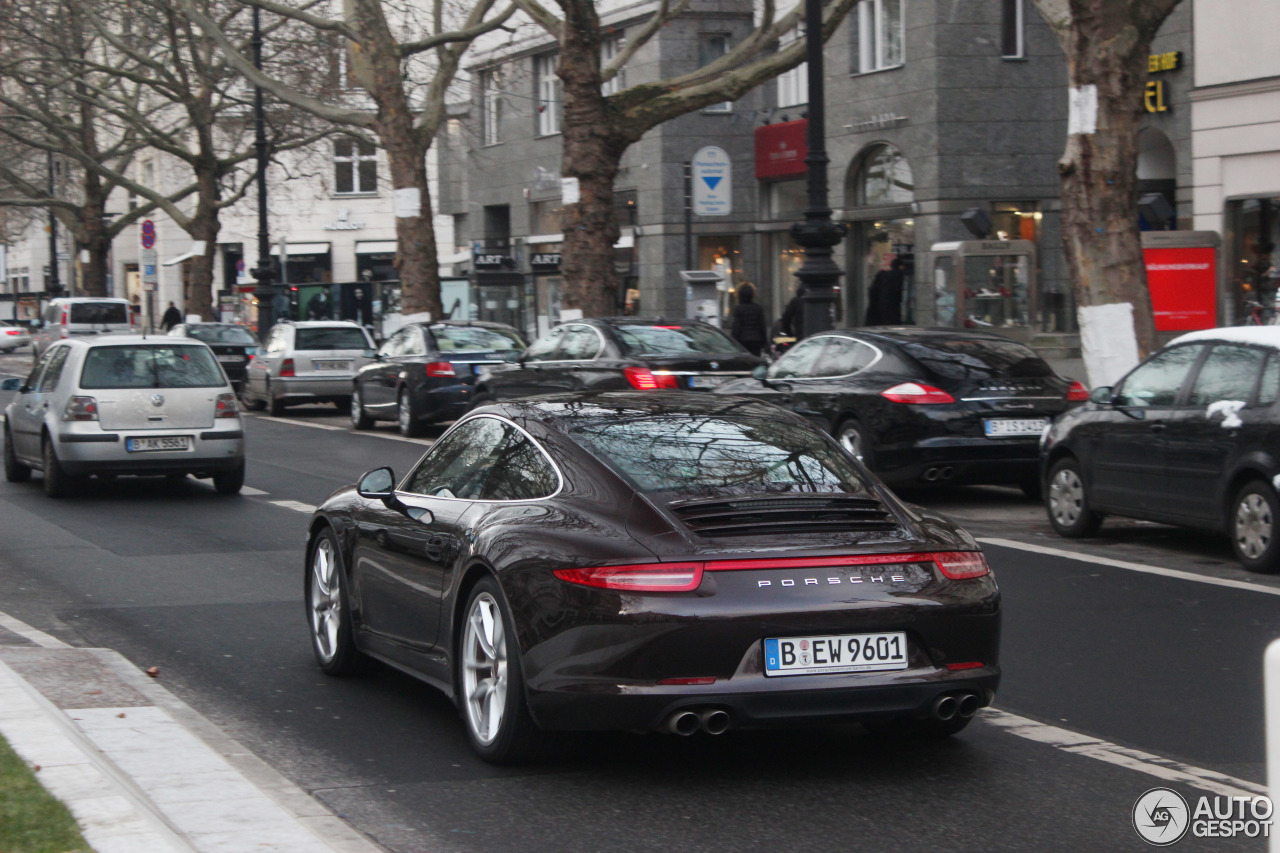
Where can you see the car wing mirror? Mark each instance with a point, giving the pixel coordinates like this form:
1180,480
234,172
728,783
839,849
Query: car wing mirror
12,385
761,373
513,357
378,485
374,354
1102,395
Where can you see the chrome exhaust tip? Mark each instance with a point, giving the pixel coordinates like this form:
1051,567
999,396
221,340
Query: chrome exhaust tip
929,475
969,705
715,721
945,707
683,723
945,472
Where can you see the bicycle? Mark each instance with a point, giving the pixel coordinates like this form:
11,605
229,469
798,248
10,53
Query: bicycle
1259,314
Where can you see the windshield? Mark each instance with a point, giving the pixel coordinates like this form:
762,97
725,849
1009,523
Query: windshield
700,455
676,340
469,338
98,312
959,359
222,334
151,366
336,337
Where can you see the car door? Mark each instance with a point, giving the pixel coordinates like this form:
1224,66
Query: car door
265,362
27,416
1221,414
378,380
785,374
578,369
822,395
1127,447
403,555
525,379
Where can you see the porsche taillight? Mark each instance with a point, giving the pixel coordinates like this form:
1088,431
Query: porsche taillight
961,565
645,577
917,394
644,379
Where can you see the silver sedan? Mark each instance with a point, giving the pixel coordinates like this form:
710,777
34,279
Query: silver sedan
13,337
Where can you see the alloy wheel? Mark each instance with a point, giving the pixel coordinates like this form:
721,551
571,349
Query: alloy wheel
326,599
1254,525
1066,497
357,406
484,673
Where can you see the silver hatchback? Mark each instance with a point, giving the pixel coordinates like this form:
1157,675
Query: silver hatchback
124,404
307,362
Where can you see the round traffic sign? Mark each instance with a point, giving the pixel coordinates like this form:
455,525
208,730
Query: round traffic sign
148,234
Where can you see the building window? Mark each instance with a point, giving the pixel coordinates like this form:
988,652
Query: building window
355,167
879,34
712,46
793,85
548,85
787,200
545,216
884,177
1011,25
491,114
610,47
625,209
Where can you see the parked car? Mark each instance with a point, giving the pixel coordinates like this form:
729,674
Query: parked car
81,316
13,336
619,354
310,361
425,372
233,344
124,404
1190,437
652,562
922,406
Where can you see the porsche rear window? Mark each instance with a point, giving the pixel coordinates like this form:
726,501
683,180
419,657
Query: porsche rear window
978,359
693,455
151,366
98,312
331,338
475,338
675,340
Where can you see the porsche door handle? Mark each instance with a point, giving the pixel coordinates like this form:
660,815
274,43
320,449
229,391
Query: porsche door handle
436,548
1158,427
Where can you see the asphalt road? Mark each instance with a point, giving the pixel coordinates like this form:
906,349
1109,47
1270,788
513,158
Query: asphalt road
1137,670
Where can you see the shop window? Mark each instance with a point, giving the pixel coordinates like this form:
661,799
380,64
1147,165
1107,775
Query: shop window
1011,30
880,35
355,167
548,88
545,216
1253,226
1015,220
491,106
787,199
793,85
712,46
610,47
624,207
883,177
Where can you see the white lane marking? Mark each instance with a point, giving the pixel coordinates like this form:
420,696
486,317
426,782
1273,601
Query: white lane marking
1133,567
252,492
367,434
294,505
35,635
1122,756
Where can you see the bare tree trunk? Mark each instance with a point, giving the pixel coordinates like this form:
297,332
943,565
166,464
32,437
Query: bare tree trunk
417,261
1106,43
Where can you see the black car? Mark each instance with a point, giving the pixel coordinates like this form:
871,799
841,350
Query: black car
425,372
233,344
923,406
652,562
620,354
1191,437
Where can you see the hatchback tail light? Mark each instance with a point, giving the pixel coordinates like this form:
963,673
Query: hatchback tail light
1077,393
286,369
962,565
916,393
644,379
440,368
13,331
647,577
133,320
81,409
227,406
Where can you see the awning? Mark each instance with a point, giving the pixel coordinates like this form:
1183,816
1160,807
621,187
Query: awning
626,241
459,258
303,248
371,247
174,261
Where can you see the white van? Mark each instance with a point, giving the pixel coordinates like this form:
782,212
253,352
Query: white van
79,316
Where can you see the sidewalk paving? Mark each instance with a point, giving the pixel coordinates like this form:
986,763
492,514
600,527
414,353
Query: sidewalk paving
140,770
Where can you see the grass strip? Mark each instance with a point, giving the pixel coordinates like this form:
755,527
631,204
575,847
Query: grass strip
31,819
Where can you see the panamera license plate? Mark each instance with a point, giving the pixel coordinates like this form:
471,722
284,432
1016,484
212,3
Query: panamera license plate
1014,427
165,442
825,655
332,364
706,381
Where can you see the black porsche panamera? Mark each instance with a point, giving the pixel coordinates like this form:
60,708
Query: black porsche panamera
630,561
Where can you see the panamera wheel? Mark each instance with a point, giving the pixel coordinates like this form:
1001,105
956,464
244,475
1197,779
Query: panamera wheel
328,610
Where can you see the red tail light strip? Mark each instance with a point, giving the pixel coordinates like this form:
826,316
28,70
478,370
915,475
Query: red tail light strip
1077,393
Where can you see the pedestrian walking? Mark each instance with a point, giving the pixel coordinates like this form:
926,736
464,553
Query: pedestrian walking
172,317
792,321
884,300
749,328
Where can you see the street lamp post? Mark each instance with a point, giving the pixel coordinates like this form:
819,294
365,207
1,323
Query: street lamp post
816,232
264,272
55,285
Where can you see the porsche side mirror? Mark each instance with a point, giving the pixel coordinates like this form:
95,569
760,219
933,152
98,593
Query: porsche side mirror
1101,395
760,372
377,485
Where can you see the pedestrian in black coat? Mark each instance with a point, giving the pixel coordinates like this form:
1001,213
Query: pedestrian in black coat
884,300
750,328
172,317
792,321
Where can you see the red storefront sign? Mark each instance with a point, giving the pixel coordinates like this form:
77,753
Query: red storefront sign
1184,288
781,149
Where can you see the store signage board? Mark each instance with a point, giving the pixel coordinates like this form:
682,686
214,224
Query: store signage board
712,182
1184,285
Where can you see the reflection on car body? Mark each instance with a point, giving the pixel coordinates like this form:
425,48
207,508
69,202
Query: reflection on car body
652,562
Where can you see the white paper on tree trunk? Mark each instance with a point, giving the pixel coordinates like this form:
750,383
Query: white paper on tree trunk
567,314
570,191
1109,342
408,203
199,248
1082,109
